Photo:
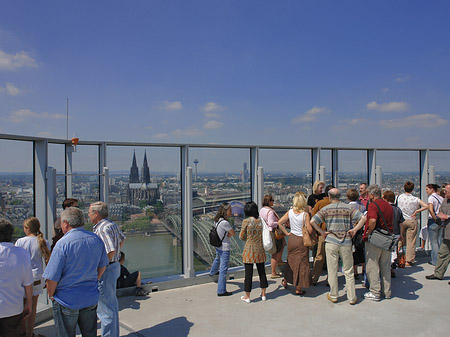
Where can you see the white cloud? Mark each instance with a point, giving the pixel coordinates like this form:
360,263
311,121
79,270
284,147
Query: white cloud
16,61
161,135
419,121
402,78
190,132
385,90
23,114
346,124
310,115
213,125
148,127
10,89
212,106
172,106
387,107
212,115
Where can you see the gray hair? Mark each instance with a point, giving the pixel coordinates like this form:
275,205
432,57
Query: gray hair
101,208
6,230
375,190
334,194
73,216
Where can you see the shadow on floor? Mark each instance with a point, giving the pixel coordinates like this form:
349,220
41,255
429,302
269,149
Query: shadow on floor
177,327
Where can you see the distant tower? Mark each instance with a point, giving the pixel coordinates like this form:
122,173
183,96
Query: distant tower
134,171
145,172
195,162
244,175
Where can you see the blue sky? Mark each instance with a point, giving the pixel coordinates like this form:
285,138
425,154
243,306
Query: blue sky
307,73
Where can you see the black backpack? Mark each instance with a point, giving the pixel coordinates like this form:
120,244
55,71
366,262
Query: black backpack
214,238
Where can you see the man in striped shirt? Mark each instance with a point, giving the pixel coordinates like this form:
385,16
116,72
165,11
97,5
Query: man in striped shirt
340,220
113,238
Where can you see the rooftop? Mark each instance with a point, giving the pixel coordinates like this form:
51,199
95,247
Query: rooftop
418,308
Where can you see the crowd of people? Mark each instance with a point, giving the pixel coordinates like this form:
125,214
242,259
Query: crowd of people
81,273
82,269
348,236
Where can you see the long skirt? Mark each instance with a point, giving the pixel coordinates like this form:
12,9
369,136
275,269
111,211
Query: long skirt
297,269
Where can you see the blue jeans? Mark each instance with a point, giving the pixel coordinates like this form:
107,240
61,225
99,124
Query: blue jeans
108,306
66,320
435,236
220,264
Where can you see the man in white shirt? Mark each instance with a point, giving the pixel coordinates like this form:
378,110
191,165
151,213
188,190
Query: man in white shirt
16,280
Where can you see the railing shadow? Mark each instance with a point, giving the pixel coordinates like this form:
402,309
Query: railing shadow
176,327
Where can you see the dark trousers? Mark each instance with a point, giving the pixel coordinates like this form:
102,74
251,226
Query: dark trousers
249,276
10,326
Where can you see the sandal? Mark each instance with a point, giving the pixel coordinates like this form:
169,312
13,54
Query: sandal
300,293
284,283
276,276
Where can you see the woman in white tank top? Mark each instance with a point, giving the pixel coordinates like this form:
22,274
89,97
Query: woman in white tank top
297,269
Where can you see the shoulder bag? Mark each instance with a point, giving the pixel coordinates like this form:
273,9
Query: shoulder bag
382,238
268,238
309,240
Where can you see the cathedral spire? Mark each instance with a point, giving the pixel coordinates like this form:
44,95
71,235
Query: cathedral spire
134,171
145,172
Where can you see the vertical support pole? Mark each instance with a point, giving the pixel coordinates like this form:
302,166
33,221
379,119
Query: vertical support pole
69,165
335,167
51,201
254,175
186,206
260,186
378,176
431,175
40,184
315,165
371,166
424,164
103,184
322,173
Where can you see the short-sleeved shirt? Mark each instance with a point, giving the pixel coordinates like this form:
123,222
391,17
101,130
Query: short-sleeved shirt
373,213
436,200
74,265
397,219
269,216
364,200
313,198
339,219
223,227
31,245
111,236
408,204
15,274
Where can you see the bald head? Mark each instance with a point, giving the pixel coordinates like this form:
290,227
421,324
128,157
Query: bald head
334,194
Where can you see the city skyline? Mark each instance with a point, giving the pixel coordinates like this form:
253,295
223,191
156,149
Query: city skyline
257,72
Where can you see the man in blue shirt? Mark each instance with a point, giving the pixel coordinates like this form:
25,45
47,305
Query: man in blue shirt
77,262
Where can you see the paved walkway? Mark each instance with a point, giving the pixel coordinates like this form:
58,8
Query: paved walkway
419,307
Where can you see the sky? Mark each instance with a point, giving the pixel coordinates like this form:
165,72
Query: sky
296,73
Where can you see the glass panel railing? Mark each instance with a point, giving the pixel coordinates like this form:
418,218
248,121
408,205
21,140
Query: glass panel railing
220,175
352,171
441,162
145,201
16,183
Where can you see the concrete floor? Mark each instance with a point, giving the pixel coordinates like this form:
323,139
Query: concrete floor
419,307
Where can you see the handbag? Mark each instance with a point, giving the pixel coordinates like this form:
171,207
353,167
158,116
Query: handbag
382,238
309,240
279,234
268,238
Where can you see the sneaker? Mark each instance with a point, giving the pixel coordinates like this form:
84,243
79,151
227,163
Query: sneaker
330,299
140,292
432,277
246,300
370,296
354,301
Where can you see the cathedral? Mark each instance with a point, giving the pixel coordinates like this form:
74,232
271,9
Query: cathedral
140,188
